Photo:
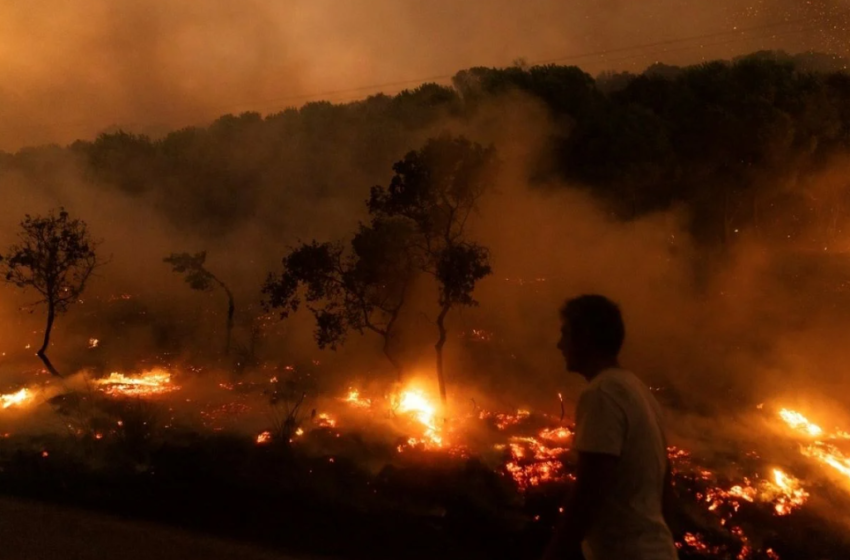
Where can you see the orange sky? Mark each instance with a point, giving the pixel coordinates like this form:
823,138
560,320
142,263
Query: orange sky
73,69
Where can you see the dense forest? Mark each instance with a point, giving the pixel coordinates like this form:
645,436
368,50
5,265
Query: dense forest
748,145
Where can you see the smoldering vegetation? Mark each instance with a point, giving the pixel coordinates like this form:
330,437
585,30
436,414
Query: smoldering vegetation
709,201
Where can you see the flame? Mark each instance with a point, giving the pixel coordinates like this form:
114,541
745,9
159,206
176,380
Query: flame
354,399
325,421
264,438
414,403
533,462
149,383
18,398
824,452
791,494
800,423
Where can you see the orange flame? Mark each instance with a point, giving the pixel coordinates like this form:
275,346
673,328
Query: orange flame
18,398
354,399
150,383
414,403
824,452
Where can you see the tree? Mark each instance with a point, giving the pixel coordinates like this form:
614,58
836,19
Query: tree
436,190
199,278
361,289
55,256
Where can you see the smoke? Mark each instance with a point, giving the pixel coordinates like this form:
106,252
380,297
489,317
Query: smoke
73,70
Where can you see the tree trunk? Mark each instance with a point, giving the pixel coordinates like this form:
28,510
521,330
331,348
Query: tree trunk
441,377
231,311
396,364
42,352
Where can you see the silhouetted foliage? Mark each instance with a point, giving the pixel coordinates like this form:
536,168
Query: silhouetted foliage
362,288
723,140
436,189
55,256
201,279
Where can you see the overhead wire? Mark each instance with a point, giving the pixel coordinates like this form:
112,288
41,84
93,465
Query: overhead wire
349,94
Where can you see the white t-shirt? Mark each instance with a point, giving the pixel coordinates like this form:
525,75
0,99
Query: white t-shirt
617,415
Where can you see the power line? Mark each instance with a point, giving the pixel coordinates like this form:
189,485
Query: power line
348,92
716,43
578,56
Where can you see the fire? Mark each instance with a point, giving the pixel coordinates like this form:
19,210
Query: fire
800,423
790,493
824,452
356,400
533,462
414,403
264,438
18,398
554,434
696,542
829,455
325,421
150,383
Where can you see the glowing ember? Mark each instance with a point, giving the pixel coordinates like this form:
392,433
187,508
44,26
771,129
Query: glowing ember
18,398
790,494
355,399
325,421
150,383
93,343
480,335
532,462
504,421
556,434
694,541
264,438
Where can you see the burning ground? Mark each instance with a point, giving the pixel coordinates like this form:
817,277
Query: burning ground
468,480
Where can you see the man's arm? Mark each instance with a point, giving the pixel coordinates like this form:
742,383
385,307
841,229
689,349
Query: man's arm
594,479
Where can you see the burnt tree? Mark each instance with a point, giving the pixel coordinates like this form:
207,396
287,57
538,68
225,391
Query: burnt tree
55,256
360,288
199,278
436,190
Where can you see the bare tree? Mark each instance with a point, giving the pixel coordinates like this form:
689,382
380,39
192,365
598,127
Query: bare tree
55,256
199,278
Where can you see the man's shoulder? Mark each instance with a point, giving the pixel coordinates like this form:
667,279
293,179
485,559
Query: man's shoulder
618,384
614,378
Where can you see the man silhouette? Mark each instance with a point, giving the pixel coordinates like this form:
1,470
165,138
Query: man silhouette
615,510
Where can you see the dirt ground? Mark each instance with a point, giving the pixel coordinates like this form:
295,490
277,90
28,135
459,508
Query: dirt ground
32,531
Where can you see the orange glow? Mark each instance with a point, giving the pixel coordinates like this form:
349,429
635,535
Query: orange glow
789,493
414,403
147,384
18,398
264,438
800,423
824,452
355,399
325,421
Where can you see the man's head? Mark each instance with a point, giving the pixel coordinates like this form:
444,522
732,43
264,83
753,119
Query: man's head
592,333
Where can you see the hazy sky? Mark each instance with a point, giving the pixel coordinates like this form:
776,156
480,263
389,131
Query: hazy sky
72,69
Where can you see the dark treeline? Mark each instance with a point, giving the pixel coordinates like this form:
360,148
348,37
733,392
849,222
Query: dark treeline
743,145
